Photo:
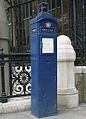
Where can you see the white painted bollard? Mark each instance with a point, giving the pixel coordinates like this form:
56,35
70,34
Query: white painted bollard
67,94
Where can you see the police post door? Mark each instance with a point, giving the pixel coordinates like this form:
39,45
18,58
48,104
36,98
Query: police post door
43,41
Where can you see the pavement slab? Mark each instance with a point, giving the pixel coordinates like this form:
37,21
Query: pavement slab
63,113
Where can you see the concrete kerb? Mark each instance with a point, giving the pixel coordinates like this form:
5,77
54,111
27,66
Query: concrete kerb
20,104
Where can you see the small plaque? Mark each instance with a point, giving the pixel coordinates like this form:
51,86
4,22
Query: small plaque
47,45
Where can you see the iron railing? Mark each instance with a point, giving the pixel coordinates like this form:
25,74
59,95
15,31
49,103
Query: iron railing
71,21
19,13
78,29
20,75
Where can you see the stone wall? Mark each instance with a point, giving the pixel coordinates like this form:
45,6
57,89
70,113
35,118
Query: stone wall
80,80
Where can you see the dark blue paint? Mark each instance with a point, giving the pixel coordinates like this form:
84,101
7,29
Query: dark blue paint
44,67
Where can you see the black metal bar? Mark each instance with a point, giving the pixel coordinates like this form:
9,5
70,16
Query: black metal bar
74,12
20,4
23,40
62,15
10,79
15,61
12,96
51,6
4,97
84,36
11,55
12,24
8,2
19,27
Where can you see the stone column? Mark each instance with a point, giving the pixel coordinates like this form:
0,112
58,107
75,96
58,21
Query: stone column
67,94
4,36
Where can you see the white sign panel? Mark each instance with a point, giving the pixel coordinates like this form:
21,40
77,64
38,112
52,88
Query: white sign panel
47,45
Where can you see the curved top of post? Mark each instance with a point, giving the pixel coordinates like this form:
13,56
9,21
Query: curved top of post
65,51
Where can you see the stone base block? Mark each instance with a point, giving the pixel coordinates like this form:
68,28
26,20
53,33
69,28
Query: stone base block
16,105
67,98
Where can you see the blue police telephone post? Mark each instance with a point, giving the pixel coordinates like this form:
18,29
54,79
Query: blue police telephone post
43,43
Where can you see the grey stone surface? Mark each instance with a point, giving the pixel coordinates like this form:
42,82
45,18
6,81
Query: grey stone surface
16,105
75,113
80,79
3,22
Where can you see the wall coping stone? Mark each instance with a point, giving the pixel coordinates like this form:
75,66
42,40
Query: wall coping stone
80,69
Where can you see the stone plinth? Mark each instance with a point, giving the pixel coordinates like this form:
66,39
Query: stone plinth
67,94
